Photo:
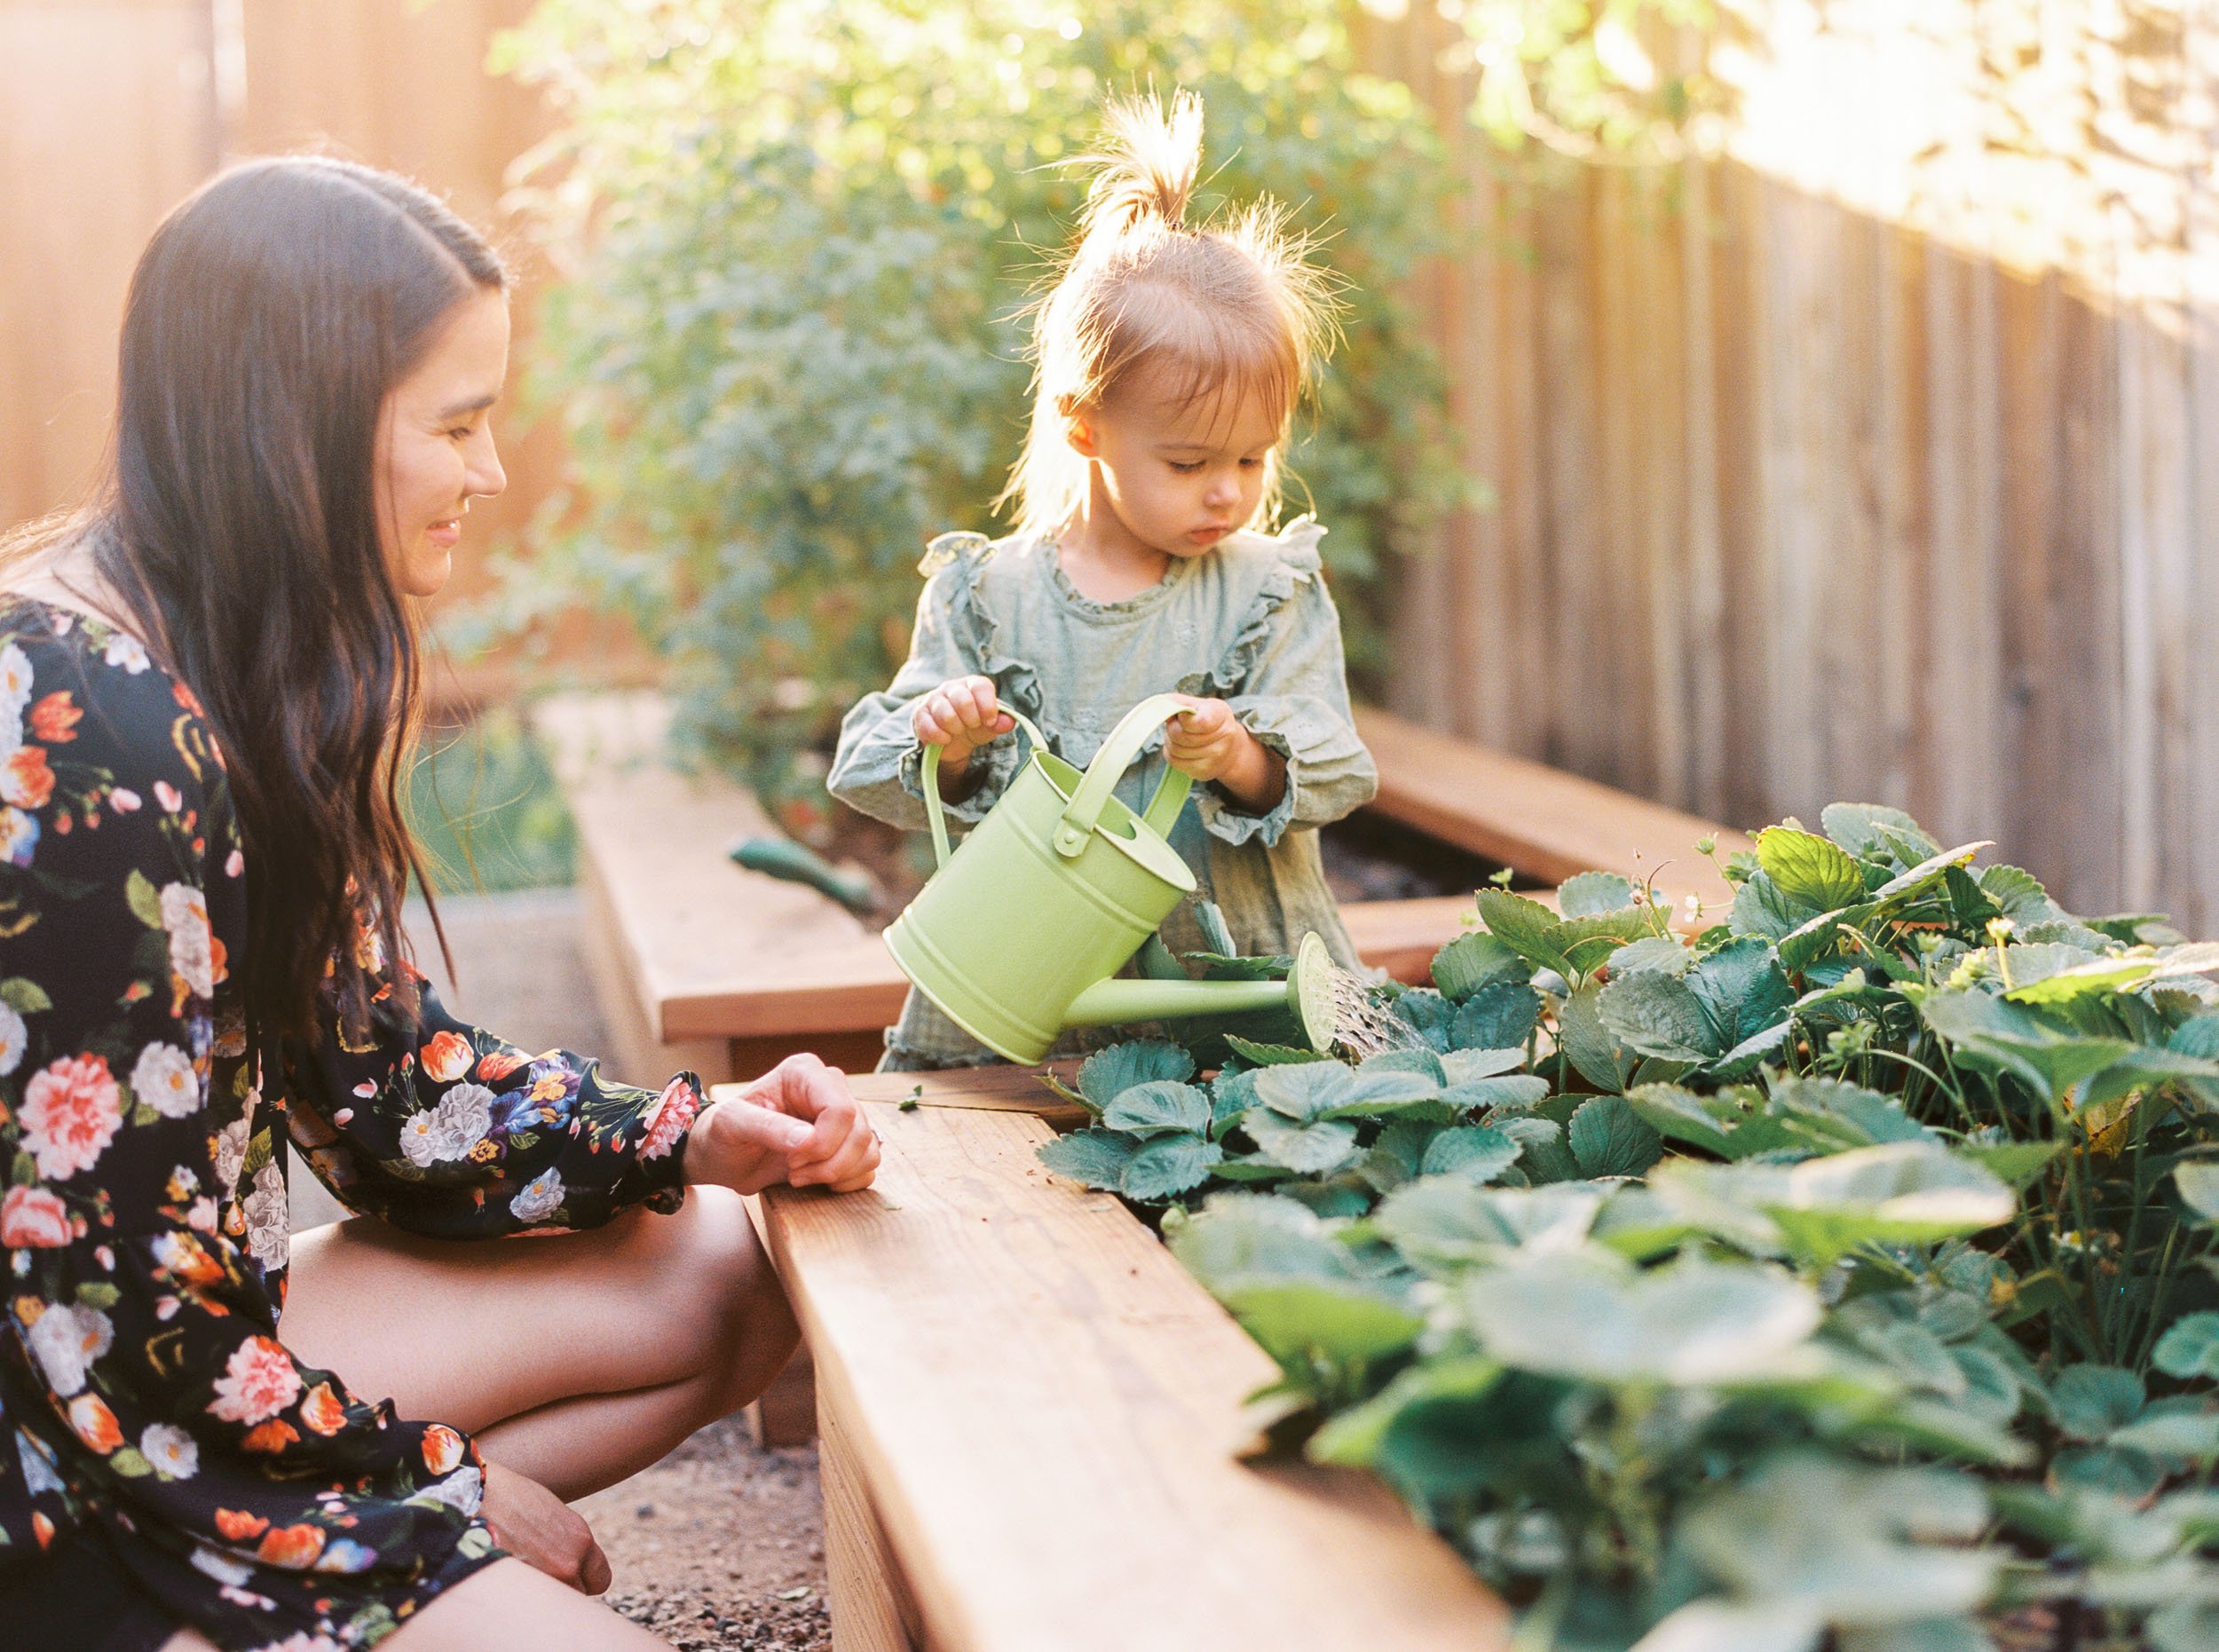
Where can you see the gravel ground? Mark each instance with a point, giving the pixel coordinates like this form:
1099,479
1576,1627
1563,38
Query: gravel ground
720,1546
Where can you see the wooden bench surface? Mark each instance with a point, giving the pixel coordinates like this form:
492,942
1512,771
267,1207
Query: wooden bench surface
1547,823
1041,1409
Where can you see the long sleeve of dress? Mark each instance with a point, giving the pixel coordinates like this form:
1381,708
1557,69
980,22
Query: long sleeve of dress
1287,681
878,768
446,1130
144,1218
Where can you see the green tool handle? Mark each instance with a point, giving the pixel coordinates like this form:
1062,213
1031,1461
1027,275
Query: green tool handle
936,815
797,863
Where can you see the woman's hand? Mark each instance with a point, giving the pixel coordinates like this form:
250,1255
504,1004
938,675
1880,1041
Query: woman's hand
536,1526
799,1123
1205,741
960,716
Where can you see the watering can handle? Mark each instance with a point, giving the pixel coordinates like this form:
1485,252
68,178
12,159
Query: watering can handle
1084,812
930,775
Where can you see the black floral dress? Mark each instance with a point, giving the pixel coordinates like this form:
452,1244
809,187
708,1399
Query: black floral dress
149,1410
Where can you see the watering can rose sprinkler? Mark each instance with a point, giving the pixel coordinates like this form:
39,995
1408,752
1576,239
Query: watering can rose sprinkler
1022,928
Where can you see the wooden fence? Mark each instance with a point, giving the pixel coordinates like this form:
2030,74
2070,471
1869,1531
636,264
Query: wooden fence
1875,456
1872,455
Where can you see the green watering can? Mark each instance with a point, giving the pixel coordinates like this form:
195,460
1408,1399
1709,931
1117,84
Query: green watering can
1022,930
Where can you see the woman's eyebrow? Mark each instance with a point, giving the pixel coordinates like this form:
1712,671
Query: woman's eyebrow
475,405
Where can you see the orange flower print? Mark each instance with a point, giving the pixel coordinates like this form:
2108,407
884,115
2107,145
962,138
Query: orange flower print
498,1064
323,1410
442,1449
258,1381
93,1423
25,779
54,719
447,1057
238,1525
271,1438
672,1112
293,1547
185,697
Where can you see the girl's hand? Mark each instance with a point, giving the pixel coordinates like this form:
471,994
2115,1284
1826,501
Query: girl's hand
797,1124
1206,741
960,716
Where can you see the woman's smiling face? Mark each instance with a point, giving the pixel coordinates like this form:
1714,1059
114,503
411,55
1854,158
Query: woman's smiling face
435,445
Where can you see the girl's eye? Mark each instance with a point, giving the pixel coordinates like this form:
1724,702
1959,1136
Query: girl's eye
1250,464
1185,467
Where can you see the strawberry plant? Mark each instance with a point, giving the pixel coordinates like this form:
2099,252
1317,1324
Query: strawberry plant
1841,1274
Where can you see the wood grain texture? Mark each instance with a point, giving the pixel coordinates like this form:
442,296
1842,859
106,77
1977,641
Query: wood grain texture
1044,1408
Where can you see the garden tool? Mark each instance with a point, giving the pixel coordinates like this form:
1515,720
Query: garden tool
1023,927
798,863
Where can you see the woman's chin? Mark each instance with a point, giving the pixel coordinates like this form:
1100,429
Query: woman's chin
428,571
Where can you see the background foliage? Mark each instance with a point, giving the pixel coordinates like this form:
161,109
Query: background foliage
796,238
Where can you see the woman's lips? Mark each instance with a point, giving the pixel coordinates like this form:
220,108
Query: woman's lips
446,534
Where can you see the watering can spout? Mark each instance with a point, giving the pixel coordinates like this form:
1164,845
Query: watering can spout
1306,992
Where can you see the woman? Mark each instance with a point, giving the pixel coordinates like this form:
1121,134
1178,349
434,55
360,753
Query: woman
208,682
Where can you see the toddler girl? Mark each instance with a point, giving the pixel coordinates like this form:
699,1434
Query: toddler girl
1170,361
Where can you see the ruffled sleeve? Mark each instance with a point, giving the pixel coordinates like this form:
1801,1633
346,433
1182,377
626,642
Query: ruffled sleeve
1286,680
878,766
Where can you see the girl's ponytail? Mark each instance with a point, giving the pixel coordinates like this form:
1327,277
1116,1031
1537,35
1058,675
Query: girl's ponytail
1147,170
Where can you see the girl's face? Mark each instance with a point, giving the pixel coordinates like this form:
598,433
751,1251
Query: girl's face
435,443
1179,475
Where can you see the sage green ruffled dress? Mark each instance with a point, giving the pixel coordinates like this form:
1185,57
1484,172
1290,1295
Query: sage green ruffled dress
1250,623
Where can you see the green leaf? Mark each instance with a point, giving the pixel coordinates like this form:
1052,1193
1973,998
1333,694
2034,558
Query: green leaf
1108,1073
1591,894
1659,1015
130,1462
1467,1066
1660,952
1741,989
1094,1158
1591,1314
1353,1437
1810,871
1474,961
1834,1114
2184,1627
1298,1322
2200,1037
2192,1435
1610,1139
1157,1106
1308,1148
1863,829
1516,1090
2190,1348
1901,1193
2019,1164
1168,1166
1427,1014
2014,1037
24,995
1270,1055
1717,1624
259,1152
1524,926
1246,1237
1217,936
2091,1401
2099,975
139,896
1500,1016
1596,1054
99,1294
2198,1182
1325,1089
1476,1153
2019,894
1681,1115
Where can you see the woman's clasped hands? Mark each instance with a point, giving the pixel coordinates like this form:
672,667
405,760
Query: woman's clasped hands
798,1124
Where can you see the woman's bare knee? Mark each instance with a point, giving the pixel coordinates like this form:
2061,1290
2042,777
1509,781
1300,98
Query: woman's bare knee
188,1641
509,1605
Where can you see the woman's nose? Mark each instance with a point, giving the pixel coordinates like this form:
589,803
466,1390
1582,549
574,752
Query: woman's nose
485,476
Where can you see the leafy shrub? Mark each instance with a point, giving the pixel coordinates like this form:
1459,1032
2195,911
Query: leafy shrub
795,239
1845,1269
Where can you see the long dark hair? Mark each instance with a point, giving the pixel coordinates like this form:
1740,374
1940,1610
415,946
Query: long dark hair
268,319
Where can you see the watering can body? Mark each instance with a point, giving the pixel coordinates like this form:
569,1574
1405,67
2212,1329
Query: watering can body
1047,897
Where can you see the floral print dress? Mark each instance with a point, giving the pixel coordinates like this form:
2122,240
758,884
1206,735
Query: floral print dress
148,1406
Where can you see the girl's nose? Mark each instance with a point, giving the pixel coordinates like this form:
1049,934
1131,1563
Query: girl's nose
1222,490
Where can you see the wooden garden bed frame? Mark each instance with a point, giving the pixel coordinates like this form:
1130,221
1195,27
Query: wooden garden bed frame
1030,1416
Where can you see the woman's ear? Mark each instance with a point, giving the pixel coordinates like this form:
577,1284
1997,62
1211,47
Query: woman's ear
1078,428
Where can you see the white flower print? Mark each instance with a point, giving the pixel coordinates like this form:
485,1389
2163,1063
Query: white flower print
15,683
164,1079
19,835
127,652
13,1036
173,1452
462,1490
220,1566
231,1152
449,1131
542,1198
269,1224
184,916
67,1339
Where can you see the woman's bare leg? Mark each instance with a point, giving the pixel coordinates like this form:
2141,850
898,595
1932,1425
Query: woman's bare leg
507,1605
576,1358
